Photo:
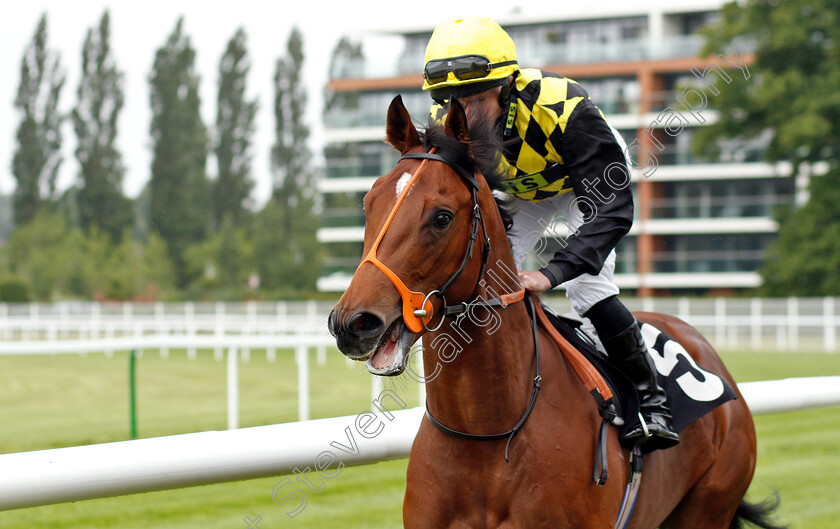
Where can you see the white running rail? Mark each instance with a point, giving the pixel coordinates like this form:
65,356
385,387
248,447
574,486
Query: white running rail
95,471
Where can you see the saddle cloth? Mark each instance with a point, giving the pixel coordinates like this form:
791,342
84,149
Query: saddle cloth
692,390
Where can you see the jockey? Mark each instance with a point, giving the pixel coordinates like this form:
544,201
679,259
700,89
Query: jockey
563,158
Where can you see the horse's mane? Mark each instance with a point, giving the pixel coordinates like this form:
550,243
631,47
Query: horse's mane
481,155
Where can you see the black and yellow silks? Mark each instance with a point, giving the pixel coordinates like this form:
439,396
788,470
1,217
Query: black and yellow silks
541,105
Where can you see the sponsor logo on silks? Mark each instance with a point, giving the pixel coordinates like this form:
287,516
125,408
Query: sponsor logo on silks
511,117
533,181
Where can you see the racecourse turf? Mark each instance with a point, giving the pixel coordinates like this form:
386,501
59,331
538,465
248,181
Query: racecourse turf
68,400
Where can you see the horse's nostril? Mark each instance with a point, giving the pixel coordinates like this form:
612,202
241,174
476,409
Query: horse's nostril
331,326
365,325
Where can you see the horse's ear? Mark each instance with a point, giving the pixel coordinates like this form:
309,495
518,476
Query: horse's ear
400,131
456,122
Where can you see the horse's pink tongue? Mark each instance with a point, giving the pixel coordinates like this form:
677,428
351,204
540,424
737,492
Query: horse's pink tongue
385,355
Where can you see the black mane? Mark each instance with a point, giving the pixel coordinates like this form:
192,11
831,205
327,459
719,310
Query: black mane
481,155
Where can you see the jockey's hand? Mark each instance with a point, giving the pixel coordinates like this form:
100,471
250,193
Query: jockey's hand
534,281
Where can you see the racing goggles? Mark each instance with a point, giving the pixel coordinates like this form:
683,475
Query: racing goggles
464,68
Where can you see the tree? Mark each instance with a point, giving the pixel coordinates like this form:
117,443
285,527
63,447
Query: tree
37,156
286,230
45,252
100,199
179,207
223,262
290,154
157,272
793,94
805,259
234,131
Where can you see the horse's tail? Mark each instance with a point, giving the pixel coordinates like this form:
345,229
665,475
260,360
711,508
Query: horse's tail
758,514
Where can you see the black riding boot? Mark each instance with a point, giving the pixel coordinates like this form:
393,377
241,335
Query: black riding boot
629,352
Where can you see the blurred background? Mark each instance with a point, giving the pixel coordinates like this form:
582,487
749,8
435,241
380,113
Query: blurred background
177,172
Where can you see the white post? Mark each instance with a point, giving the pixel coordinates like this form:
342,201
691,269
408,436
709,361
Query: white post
720,321
302,359
281,312
96,310
33,317
160,319
220,314
311,311
233,389
322,355
251,326
793,322
127,311
376,387
755,323
189,309
683,309
781,338
64,320
4,315
109,335
732,337
138,334
829,326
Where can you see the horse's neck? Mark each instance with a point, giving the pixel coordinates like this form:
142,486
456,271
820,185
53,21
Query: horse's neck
484,361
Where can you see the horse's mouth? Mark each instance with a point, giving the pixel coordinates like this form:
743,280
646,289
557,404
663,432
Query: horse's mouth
390,356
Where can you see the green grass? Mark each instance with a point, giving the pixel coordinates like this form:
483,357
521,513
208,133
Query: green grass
798,452
54,401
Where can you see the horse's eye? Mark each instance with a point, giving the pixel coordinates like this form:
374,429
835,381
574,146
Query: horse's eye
442,219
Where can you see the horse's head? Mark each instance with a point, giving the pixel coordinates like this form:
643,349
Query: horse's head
426,226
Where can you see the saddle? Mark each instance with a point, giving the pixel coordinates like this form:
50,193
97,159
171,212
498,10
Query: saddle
615,394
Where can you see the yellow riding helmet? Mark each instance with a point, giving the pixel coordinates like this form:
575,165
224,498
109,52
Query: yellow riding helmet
470,51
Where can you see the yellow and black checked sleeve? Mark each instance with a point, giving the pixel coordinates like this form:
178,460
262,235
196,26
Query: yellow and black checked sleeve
588,147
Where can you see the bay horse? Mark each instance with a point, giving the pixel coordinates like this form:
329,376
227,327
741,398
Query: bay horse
436,246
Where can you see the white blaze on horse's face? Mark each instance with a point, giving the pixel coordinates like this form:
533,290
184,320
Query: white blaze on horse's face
402,182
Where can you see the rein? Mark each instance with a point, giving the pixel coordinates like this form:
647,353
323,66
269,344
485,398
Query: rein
534,393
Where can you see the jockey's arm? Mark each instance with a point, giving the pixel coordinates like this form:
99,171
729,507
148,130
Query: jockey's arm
590,149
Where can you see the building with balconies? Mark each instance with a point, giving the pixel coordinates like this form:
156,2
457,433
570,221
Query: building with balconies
703,223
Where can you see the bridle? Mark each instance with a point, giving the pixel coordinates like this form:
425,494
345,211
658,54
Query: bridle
418,309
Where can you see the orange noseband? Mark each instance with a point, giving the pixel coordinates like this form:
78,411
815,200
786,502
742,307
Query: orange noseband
417,309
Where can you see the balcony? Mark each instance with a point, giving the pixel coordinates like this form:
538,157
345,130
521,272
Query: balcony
683,155
708,261
543,55
347,119
356,167
705,207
